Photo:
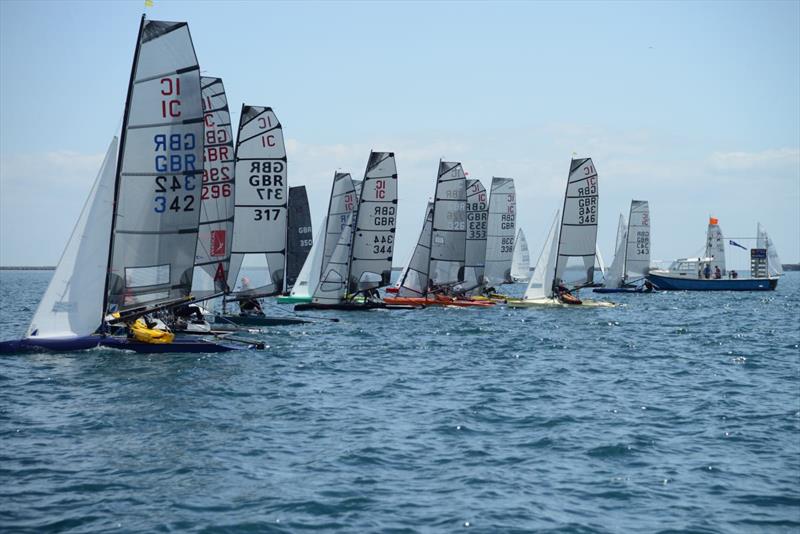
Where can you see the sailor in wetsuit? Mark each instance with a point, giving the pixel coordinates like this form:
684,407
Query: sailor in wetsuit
249,305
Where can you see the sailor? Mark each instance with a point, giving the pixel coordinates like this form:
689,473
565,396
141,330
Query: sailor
717,273
249,305
707,271
188,311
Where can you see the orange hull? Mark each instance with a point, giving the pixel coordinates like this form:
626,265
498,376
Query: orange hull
438,301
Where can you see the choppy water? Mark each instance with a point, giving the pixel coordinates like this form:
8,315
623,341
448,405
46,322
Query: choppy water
673,412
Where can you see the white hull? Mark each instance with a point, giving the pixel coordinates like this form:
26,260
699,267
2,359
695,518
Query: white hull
555,303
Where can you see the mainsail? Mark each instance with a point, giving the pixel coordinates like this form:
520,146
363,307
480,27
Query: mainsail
477,216
715,246
541,283
449,231
616,272
157,190
308,279
578,233
72,303
413,281
521,258
342,203
500,231
259,234
299,238
373,235
773,261
637,254
333,283
215,232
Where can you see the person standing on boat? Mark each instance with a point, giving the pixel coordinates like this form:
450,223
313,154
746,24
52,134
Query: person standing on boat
717,273
707,271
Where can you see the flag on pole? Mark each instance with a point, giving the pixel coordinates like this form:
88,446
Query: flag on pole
713,220
148,3
735,244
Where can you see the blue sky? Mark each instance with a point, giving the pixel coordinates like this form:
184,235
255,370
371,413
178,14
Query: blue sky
693,106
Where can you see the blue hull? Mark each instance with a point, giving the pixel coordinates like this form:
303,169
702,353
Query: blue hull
32,344
669,283
257,320
179,345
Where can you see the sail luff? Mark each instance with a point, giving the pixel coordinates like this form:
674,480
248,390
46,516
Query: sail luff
475,248
614,275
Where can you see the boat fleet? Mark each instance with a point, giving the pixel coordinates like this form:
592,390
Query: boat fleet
182,213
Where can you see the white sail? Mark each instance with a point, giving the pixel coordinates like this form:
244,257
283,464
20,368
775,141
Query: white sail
259,235
477,219
308,279
72,305
773,261
637,254
520,259
215,232
343,201
373,235
500,231
449,231
715,246
413,281
157,200
332,286
541,283
614,275
600,263
578,234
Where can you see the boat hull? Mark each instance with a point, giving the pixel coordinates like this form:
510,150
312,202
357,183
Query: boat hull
341,306
255,320
673,283
620,290
555,303
178,345
421,301
290,299
33,344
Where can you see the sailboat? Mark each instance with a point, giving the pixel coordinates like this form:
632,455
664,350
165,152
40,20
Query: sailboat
133,248
568,257
501,226
343,201
436,269
632,253
361,263
709,272
521,259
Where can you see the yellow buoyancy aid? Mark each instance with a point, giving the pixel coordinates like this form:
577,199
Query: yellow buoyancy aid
144,334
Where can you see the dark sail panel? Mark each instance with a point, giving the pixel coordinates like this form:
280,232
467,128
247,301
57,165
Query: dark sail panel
299,238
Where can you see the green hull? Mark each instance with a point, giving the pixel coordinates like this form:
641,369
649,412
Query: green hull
289,299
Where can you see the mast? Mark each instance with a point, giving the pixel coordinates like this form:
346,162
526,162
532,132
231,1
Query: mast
430,239
118,173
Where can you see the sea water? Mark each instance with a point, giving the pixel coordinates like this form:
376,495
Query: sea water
671,412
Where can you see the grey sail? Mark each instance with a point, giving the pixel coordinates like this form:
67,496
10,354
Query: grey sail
414,280
259,233
215,233
500,231
342,203
477,218
615,274
299,237
578,234
637,253
373,235
449,230
332,287
158,182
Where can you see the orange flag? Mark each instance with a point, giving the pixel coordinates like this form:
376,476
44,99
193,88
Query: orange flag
713,220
